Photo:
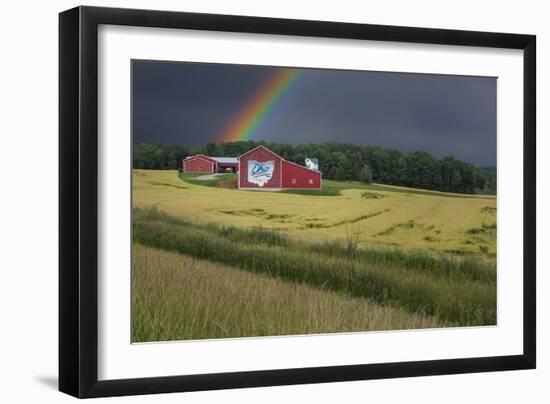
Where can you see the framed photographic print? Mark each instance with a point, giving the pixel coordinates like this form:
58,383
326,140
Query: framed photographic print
251,201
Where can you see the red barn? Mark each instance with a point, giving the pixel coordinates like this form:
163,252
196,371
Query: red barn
199,163
261,169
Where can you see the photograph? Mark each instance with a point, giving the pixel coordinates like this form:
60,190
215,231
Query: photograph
281,201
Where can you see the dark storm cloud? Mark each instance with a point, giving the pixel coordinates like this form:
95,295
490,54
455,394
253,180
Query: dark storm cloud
189,104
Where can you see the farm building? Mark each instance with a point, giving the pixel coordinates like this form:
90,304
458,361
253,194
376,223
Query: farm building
227,164
200,163
261,169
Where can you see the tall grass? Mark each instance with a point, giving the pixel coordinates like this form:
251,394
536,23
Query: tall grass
176,297
243,235
453,297
446,266
449,266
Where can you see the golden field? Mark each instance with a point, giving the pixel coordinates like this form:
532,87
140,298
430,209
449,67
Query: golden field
382,216
211,261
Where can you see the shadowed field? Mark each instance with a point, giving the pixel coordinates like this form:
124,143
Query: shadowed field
176,297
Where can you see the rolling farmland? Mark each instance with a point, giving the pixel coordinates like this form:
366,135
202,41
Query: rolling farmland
380,257
385,216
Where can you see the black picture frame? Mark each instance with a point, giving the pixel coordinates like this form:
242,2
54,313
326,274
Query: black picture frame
78,201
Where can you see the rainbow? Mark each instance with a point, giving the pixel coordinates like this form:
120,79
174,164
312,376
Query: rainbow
245,124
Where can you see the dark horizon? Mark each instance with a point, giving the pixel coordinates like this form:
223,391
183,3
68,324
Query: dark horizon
189,104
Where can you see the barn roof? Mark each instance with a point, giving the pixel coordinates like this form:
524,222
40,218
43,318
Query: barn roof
231,160
260,147
301,166
198,156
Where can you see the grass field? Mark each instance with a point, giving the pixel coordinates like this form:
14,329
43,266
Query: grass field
211,261
394,217
177,297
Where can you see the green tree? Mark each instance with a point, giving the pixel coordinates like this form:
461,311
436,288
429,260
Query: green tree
481,181
492,183
340,174
145,156
423,171
365,175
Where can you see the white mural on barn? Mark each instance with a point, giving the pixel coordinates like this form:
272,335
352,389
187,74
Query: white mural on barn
260,172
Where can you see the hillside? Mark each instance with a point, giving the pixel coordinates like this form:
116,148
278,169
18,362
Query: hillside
212,261
383,215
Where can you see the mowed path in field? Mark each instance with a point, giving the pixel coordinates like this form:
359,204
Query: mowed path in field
207,177
396,217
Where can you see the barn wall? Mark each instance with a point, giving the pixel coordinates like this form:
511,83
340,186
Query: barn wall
260,155
198,165
295,176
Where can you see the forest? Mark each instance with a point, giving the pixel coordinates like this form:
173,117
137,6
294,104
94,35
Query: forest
342,162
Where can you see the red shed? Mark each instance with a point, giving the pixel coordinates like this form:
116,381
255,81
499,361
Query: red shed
261,169
199,163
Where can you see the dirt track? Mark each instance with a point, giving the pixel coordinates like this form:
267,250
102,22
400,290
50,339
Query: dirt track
207,177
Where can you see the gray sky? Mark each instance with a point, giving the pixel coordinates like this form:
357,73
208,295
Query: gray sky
190,103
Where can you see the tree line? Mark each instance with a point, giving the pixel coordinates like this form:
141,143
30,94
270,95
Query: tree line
342,162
